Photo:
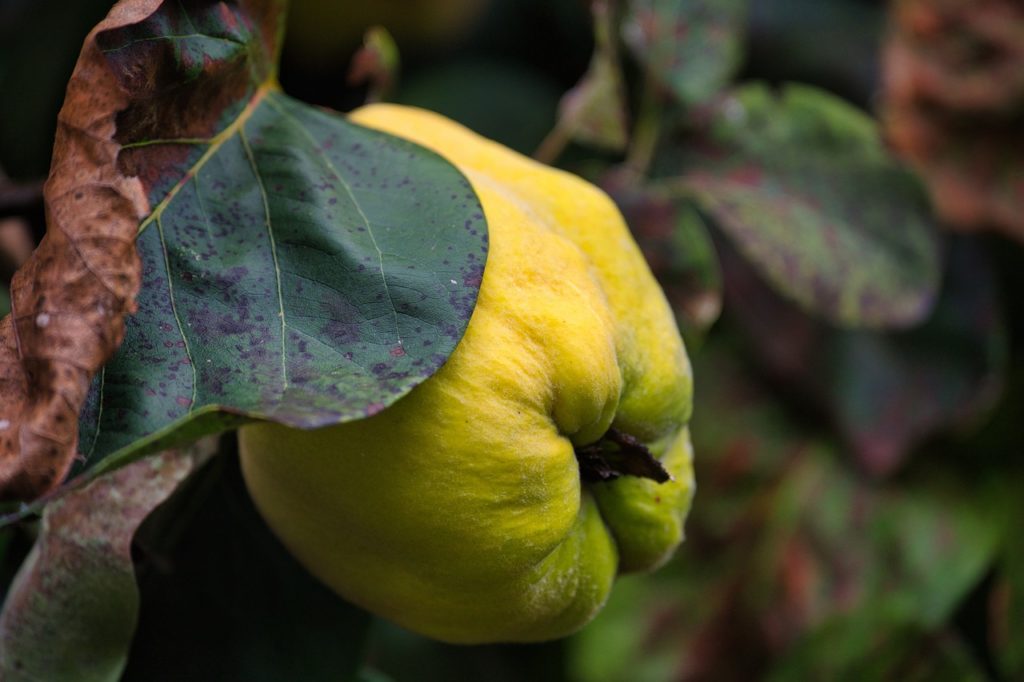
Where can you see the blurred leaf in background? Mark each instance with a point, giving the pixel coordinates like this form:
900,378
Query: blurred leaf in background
954,106
1007,599
884,392
690,47
593,112
799,182
71,611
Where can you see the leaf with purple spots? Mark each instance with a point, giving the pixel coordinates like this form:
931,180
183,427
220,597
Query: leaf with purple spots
296,267
691,47
801,184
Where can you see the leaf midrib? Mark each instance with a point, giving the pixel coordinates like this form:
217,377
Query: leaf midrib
355,202
215,144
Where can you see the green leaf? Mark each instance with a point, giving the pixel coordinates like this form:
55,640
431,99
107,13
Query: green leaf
800,183
222,599
296,267
692,47
72,609
614,645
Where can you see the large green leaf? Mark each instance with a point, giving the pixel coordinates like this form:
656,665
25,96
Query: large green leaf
801,184
296,267
692,47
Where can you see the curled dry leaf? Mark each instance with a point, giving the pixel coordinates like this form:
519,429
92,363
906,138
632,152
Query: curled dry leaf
954,88
69,300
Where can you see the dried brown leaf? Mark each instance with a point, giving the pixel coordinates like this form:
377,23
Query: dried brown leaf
69,300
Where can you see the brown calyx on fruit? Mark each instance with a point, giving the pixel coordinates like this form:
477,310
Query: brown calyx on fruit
618,454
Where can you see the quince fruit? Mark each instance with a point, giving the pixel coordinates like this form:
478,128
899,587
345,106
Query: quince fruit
489,503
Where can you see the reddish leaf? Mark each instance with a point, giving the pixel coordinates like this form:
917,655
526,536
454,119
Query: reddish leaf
692,47
800,182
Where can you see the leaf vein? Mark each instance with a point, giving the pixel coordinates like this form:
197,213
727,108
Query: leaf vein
348,190
273,252
99,414
177,317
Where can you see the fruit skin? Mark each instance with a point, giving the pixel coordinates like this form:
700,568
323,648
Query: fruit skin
459,511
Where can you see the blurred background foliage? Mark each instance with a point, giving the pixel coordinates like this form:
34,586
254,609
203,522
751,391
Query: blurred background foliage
857,352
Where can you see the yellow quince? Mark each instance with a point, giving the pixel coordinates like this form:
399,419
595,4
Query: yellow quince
487,504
